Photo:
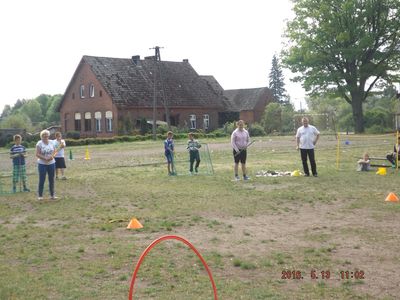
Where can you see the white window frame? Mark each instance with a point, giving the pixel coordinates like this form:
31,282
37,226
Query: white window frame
82,91
91,91
78,116
192,121
97,116
88,116
206,121
109,119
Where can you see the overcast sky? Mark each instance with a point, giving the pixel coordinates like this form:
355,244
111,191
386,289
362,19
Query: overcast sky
42,41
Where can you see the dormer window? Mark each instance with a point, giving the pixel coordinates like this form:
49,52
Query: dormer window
82,91
91,91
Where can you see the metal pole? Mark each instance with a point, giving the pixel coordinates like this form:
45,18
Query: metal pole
154,107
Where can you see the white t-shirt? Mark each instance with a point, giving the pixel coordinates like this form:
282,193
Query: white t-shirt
46,150
60,152
307,136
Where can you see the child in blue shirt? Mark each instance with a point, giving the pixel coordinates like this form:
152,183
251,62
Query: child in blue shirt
194,155
169,152
18,154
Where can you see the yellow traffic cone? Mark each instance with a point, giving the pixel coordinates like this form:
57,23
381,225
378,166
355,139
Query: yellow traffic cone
381,171
87,156
295,173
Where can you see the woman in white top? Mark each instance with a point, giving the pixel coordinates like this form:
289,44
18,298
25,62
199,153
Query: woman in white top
45,151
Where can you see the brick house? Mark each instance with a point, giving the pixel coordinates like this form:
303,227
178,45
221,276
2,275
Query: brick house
242,104
111,96
250,103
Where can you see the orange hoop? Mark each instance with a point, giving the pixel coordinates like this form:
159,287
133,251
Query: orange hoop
170,237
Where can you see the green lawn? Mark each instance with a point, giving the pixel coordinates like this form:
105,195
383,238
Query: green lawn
253,234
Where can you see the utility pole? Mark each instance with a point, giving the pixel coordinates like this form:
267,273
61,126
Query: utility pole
157,57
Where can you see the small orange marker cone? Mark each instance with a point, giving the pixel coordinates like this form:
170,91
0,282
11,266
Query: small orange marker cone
87,156
392,197
134,224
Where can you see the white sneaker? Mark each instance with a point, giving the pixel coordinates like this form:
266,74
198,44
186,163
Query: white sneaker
40,198
53,197
237,178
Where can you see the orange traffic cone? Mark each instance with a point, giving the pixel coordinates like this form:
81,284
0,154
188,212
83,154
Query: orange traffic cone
392,197
134,224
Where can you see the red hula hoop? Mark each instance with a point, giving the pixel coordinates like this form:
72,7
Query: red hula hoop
170,237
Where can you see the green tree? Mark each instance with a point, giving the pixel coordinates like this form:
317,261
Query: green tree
272,118
347,47
277,82
33,110
52,115
44,101
287,117
18,120
6,111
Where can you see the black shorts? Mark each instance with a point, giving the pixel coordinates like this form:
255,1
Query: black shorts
240,157
60,163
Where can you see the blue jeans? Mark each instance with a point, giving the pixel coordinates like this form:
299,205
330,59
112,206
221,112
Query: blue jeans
50,170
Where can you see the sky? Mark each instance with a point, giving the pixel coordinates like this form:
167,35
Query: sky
233,40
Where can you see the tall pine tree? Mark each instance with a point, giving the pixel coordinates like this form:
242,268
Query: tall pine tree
276,82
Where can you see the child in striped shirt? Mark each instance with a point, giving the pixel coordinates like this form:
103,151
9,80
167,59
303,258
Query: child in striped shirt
18,154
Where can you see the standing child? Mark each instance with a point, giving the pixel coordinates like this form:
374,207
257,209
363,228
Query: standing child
364,164
18,154
194,154
240,140
59,143
169,152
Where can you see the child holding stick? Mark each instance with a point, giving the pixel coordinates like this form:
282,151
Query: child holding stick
18,154
59,156
169,152
194,155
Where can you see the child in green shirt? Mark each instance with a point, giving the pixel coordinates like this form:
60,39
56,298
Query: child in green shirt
194,154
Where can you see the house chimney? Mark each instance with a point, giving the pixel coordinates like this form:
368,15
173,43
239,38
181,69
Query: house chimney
185,60
135,59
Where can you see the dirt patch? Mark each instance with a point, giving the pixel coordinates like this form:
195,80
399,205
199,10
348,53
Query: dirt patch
322,226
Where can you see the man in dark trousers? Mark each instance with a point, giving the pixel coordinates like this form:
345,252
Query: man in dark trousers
306,139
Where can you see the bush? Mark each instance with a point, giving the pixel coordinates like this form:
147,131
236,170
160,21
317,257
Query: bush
229,127
76,135
377,129
256,130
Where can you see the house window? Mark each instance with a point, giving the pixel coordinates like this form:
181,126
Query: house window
77,122
82,91
101,93
66,118
97,117
91,91
109,119
73,96
206,121
192,121
88,121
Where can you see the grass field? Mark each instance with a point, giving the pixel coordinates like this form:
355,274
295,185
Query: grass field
252,234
